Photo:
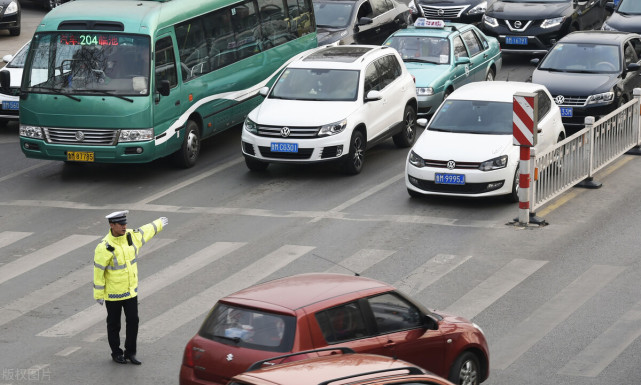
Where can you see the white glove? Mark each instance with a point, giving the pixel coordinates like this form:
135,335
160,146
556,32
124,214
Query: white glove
164,221
100,301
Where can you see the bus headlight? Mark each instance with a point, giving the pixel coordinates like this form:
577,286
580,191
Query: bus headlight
136,135
251,126
332,128
31,132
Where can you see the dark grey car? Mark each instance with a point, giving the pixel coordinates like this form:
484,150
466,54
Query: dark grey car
10,16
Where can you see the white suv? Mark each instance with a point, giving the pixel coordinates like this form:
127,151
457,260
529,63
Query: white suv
330,104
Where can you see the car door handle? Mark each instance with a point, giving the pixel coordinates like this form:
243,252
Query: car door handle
485,56
177,102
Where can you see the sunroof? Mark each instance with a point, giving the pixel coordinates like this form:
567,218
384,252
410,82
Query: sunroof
345,54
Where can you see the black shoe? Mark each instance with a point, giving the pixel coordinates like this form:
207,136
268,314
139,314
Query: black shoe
119,359
133,359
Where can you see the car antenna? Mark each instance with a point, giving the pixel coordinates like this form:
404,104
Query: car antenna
337,264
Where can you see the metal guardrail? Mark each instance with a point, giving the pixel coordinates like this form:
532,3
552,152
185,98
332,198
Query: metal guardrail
574,160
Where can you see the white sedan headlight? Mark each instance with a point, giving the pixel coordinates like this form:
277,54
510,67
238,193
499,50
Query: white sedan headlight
140,135
416,160
31,132
604,98
479,8
549,23
494,164
490,21
250,126
332,128
11,8
424,91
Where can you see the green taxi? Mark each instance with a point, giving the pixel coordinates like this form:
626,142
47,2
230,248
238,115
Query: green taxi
444,56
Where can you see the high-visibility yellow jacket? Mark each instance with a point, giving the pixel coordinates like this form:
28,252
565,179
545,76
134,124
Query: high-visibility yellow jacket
115,271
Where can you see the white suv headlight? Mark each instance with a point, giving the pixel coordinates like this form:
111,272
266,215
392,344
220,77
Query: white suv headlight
140,135
332,128
549,23
11,8
604,98
492,22
424,91
480,8
31,132
251,126
494,164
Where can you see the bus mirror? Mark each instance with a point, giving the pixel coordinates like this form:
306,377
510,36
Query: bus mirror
5,80
163,88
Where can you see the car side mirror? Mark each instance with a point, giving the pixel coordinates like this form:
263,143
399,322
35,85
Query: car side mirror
633,67
163,87
421,122
373,95
365,20
535,61
7,58
430,322
263,91
463,60
609,6
5,80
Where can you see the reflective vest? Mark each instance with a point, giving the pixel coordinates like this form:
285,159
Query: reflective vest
115,271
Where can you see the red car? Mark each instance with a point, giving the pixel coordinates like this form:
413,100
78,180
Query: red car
312,311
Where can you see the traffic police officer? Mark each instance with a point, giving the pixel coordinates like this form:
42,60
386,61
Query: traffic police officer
115,279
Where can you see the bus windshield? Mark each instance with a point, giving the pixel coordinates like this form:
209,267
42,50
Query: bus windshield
88,63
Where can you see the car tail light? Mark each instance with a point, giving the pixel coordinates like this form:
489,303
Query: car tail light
188,357
414,78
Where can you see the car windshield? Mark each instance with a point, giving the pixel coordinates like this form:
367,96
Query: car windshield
19,59
473,117
630,7
249,328
421,48
333,14
583,58
317,84
88,63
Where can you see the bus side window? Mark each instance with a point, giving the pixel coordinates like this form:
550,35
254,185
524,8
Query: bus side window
165,62
220,36
300,21
245,21
273,23
192,48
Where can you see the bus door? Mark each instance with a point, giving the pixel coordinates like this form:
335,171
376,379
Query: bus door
167,107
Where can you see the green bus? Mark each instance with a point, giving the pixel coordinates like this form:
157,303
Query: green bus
130,81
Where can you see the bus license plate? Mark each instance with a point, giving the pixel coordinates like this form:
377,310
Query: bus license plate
10,105
566,112
449,179
284,147
516,40
80,156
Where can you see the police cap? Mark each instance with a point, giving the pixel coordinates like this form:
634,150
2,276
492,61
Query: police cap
118,217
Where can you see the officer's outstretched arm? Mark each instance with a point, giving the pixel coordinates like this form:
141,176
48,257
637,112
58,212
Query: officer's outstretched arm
146,232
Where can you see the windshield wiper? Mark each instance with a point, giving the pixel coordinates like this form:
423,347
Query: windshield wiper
439,129
552,69
112,94
414,60
235,339
58,92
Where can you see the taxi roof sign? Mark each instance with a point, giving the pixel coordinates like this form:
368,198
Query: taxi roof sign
422,22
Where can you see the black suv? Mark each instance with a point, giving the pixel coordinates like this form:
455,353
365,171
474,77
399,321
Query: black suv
590,73
360,21
459,11
533,26
625,17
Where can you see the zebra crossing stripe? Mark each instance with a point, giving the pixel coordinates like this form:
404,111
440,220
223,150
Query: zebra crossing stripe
9,237
165,277
360,261
430,272
607,346
201,303
520,339
57,289
44,255
493,288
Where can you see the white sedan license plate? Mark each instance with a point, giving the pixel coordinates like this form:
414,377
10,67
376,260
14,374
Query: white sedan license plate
449,179
284,147
10,105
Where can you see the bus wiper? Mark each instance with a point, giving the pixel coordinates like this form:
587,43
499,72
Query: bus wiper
58,92
115,95
235,339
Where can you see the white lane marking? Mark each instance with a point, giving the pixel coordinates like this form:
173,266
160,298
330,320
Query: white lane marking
201,303
44,255
57,289
430,272
24,171
68,351
520,339
360,261
606,347
9,237
493,288
165,277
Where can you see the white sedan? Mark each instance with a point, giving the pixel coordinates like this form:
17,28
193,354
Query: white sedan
9,99
467,148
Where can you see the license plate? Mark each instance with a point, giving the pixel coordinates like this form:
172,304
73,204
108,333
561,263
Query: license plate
449,179
10,105
566,112
284,147
516,40
80,156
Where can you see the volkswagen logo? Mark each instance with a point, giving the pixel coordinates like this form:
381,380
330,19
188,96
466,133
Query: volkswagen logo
80,136
230,357
284,132
451,165
517,24
560,99
440,12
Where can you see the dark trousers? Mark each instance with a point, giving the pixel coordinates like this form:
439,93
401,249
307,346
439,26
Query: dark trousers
113,325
